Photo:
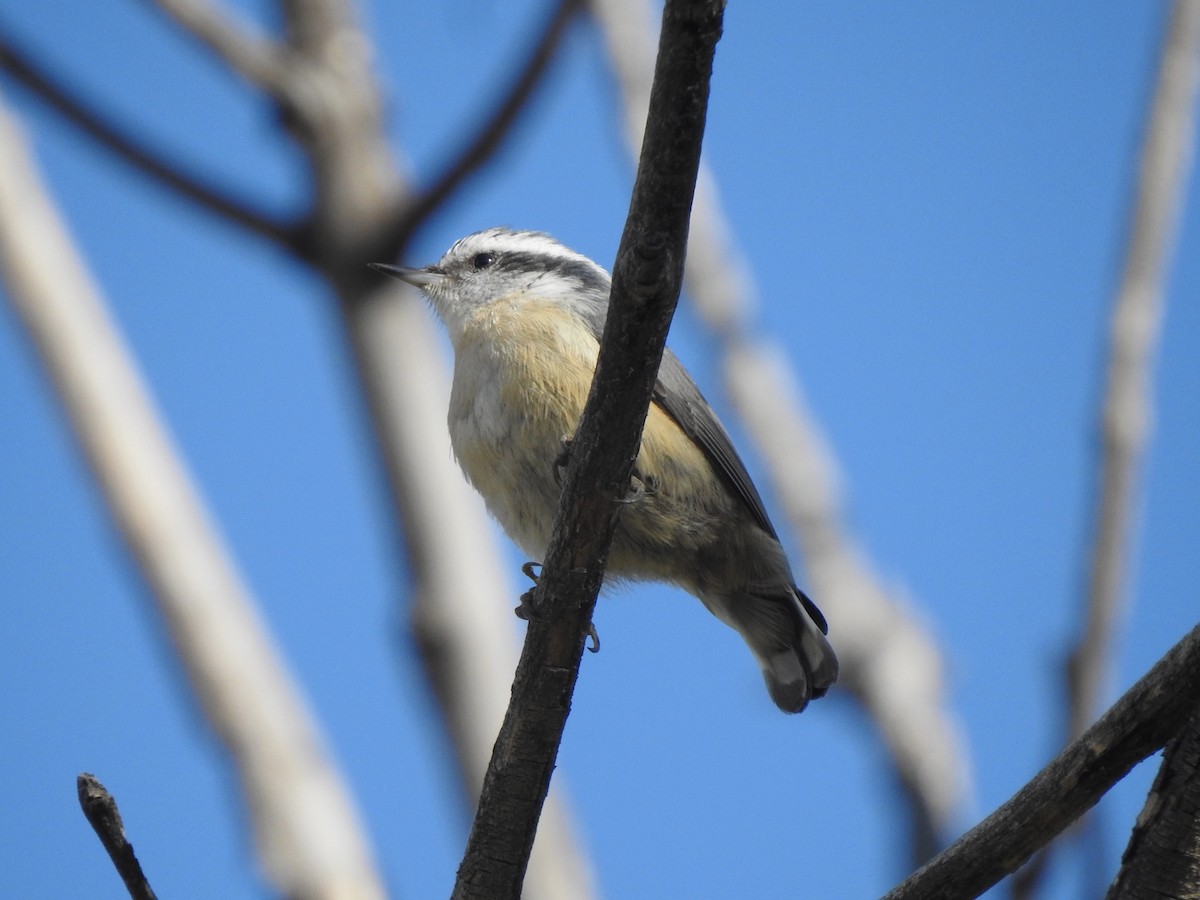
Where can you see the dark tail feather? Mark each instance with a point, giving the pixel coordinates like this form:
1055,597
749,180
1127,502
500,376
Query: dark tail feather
804,670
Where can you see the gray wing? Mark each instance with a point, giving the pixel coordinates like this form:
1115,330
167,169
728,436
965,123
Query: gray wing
677,395
679,398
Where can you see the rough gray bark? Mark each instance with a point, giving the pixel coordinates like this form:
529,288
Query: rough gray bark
1163,856
102,814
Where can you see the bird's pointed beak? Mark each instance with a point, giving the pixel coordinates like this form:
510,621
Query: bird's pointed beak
422,278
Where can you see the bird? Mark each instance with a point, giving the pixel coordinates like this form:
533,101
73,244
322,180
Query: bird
524,314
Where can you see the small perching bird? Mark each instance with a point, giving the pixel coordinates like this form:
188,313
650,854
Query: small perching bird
525,315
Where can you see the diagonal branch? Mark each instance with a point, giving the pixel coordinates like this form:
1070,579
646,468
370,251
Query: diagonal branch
307,831
487,140
646,281
69,104
1150,714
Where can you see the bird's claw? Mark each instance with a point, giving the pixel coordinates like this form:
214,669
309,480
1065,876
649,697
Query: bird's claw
561,461
524,610
640,488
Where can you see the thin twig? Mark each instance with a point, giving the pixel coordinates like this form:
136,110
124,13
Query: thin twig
486,140
258,59
68,103
101,811
888,659
646,280
1150,713
308,834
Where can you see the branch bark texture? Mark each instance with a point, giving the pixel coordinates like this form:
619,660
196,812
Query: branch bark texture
1149,715
102,814
646,280
1163,856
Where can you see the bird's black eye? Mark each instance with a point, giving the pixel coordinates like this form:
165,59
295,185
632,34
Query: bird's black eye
482,260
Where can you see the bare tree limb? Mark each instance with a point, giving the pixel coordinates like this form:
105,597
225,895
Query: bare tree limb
1163,856
1127,411
337,116
257,59
1149,714
67,102
888,659
1137,315
101,811
488,138
307,831
391,339
646,280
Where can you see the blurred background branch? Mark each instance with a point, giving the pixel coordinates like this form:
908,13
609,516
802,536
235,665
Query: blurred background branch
318,80
863,171
306,829
889,661
1126,416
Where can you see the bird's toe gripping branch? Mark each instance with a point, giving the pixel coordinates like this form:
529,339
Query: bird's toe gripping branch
525,611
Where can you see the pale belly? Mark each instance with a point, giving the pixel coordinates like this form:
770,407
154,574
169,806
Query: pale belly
512,404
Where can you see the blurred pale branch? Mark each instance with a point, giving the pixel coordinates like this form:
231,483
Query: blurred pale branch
307,831
1127,413
1150,714
647,277
258,59
889,661
363,211
100,809
461,615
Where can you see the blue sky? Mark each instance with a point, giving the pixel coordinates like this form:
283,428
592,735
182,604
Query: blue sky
933,199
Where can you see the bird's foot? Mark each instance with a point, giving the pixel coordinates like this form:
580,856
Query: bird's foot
563,458
525,611
640,487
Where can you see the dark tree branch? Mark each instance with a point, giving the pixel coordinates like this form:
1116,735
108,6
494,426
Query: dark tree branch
1163,856
1150,713
487,140
646,281
68,104
101,811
